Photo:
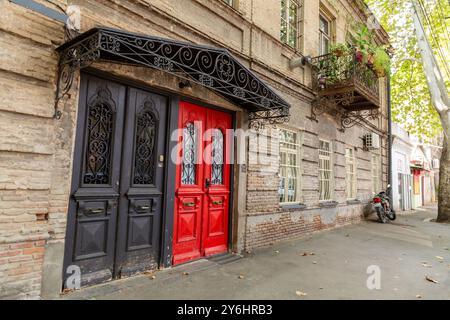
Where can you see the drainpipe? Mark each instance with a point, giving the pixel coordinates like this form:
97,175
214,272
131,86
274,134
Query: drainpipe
388,88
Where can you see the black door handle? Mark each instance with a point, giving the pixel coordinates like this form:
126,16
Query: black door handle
207,183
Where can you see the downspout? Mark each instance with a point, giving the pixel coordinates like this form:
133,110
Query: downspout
388,89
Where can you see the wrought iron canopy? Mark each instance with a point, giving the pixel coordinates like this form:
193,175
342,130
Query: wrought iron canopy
212,67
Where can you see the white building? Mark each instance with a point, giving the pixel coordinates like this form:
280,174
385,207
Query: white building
413,170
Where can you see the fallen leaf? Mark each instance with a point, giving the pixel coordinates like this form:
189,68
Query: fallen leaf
347,235
186,273
300,293
448,249
153,277
314,262
439,258
418,296
431,279
320,288
304,254
241,276
426,265
276,251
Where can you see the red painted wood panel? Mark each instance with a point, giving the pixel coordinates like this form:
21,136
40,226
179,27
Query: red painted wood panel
201,209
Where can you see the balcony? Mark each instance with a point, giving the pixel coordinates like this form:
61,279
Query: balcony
344,85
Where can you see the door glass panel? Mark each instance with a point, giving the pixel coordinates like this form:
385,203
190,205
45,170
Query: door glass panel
144,153
217,157
188,172
99,138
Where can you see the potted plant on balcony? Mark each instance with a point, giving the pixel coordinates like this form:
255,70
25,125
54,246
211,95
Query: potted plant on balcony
362,42
382,62
339,49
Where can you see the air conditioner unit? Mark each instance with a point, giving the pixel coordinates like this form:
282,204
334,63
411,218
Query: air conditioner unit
372,141
435,163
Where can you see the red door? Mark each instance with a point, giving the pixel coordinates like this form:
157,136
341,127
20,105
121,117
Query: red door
202,186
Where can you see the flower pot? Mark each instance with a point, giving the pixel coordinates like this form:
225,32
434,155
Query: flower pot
380,73
359,56
338,52
370,59
322,82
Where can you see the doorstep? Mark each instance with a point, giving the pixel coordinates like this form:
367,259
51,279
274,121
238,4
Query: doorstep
165,276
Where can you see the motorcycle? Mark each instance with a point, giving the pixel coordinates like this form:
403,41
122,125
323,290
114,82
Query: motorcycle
382,205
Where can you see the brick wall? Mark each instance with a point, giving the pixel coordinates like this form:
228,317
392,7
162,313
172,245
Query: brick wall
20,269
266,229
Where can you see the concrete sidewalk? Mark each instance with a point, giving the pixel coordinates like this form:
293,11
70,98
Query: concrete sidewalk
406,251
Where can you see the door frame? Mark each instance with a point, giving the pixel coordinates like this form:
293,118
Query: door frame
167,215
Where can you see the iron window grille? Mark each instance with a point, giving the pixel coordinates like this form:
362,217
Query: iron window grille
325,171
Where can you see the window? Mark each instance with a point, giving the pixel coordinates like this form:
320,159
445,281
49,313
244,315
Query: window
350,165
291,13
289,188
324,35
325,170
376,173
232,3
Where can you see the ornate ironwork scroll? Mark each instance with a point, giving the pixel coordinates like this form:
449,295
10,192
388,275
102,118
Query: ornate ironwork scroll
189,167
212,67
351,118
145,144
217,157
100,128
259,119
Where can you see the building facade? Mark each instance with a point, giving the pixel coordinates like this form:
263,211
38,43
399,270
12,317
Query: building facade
125,142
415,166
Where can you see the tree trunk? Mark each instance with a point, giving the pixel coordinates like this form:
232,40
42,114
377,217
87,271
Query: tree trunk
441,102
444,179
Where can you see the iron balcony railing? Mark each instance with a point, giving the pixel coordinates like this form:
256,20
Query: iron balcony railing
334,74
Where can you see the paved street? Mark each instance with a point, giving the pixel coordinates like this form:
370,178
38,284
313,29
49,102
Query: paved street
407,251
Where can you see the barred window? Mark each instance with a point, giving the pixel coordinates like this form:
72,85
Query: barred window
350,164
376,173
291,23
325,170
289,187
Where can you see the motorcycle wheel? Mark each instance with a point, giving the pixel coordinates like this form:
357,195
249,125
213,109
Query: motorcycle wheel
381,213
391,215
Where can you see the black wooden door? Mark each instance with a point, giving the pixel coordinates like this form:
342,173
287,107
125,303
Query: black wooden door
115,205
141,183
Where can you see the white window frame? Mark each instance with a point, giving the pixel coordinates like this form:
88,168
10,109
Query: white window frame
326,155
290,26
325,34
298,166
231,3
376,172
350,174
